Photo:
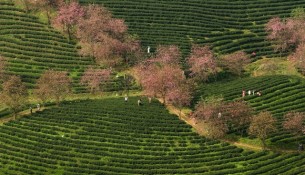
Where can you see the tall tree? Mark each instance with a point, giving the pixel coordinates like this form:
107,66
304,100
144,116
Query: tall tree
238,114
209,111
14,94
167,54
298,58
68,16
53,85
93,78
104,37
161,76
286,34
293,122
202,63
181,96
159,81
277,32
262,125
235,62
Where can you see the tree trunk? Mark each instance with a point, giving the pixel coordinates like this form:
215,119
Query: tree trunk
69,32
164,102
48,17
57,101
26,5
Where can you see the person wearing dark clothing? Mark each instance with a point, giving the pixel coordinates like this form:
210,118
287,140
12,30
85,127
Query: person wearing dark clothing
139,102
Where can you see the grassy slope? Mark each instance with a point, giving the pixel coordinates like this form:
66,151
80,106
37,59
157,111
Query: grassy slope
227,25
113,137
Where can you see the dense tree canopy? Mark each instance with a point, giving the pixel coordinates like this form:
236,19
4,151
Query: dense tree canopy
293,122
202,63
68,16
55,85
14,94
235,62
103,37
162,76
262,125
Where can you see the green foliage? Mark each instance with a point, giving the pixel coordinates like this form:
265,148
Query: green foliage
280,94
228,26
298,13
111,136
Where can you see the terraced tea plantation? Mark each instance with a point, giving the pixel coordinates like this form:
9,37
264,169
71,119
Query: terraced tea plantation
111,136
32,47
280,94
227,25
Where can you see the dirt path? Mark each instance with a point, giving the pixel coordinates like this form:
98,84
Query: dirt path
201,132
19,115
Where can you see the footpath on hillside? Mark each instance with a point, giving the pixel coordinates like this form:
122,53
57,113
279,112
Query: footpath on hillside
172,110
200,131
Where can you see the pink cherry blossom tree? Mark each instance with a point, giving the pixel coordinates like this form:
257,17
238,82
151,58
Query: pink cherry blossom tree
293,122
277,32
103,37
68,16
286,33
53,85
297,58
93,78
160,81
202,63
168,54
14,94
235,62
181,96
209,111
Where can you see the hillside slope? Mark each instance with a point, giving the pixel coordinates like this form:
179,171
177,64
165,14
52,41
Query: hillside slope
280,94
228,25
32,47
111,136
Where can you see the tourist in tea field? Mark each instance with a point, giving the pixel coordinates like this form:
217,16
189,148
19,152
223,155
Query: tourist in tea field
38,107
249,92
253,92
139,102
243,93
148,49
126,98
219,115
149,100
259,93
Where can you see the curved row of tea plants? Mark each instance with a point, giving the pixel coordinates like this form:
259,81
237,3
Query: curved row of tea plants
227,25
111,136
280,94
32,47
